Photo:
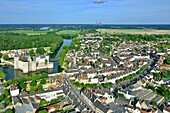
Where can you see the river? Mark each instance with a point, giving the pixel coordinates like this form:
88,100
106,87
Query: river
12,74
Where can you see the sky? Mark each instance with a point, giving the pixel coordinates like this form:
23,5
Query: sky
84,11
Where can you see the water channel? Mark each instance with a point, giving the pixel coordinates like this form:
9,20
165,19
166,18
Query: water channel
11,73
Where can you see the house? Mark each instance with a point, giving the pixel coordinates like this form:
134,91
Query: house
93,80
19,108
135,87
166,108
51,108
100,108
116,108
122,101
27,105
48,96
14,90
71,72
158,99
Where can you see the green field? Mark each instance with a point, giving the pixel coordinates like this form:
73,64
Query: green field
45,32
34,32
68,32
134,31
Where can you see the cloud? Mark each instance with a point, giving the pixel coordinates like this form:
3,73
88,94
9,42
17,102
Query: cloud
99,1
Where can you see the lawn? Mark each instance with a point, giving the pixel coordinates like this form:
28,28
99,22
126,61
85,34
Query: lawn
68,32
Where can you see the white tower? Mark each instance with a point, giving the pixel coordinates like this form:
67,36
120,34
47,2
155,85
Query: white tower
16,59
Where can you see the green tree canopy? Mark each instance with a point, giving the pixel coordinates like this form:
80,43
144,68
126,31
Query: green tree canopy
36,77
1,55
9,111
43,111
9,82
40,51
6,92
22,85
2,106
39,87
5,84
33,83
31,53
43,102
2,97
22,79
6,57
44,75
43,81
7,101
2,74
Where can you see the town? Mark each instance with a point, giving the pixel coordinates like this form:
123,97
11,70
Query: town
101,73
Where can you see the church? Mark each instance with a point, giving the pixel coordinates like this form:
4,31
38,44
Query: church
27,64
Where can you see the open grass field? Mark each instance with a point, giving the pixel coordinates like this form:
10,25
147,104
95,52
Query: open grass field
34,32
45,32
135,31
68,32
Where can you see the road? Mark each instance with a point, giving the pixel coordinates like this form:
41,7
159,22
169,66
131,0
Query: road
77,93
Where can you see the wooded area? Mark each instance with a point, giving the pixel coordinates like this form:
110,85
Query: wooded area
10,41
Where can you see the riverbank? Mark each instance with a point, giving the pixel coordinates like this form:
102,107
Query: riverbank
12,74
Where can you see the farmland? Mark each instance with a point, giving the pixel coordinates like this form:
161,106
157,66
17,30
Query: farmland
68,32
134,31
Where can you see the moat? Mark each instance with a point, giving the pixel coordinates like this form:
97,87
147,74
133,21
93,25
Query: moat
11,73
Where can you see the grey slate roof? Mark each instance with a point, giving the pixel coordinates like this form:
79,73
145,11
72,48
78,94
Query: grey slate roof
100,106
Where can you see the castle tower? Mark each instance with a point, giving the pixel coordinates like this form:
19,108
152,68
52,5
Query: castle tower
16,59
47,56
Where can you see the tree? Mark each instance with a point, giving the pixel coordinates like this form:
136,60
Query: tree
119,95
15,82
46,61
154,103
43,102
2,74
6,92
9,111
157,75
5,84
2,106
107,85
6,57
33,83
44,75
22,79
22,85
2,97
39,87
1,55
36,77
31,53
104,65
164,72
9,82
7,101
28,78
43,111
40,51
52,49
57,107
43,81
32,89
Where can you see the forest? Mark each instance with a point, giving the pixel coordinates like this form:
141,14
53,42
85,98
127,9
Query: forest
10,41
140,37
